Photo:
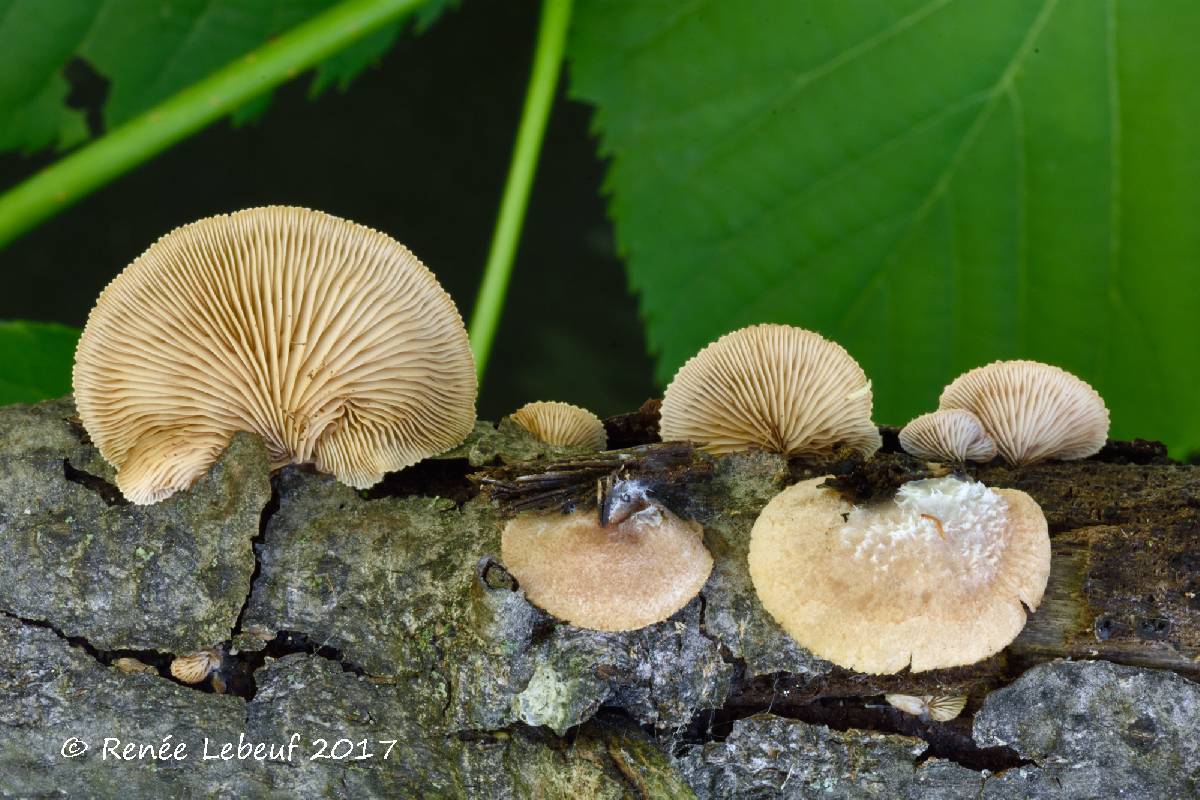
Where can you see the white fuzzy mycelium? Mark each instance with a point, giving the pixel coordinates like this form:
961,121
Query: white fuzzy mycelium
956,526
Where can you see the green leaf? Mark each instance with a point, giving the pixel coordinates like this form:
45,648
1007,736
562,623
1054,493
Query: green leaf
148,50
933,184
35,360
341,69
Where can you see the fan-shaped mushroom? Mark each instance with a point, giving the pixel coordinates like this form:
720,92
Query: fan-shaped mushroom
195,667
951,435
328,339
1034,411
934,578
781,388
562,424
616,578
938,707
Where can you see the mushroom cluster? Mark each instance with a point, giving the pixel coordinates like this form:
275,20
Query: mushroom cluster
939,576
328,339
1024,410
338,347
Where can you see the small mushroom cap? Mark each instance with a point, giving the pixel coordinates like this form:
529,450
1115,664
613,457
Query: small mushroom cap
132,665
620,578
945,707
328,339
1034,411
908,703
562,424
777,387
195,667
952,435
934,578
938,707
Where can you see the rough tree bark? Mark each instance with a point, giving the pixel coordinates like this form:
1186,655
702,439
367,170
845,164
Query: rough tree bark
380,616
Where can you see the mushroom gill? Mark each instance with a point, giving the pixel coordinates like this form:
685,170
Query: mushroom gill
195,667
937,707
951,435
328,339
940,576
777,387
1034,411
562,424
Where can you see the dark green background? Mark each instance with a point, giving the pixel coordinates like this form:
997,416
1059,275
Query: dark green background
418,148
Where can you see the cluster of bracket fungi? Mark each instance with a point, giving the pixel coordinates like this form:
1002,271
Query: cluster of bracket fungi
339,348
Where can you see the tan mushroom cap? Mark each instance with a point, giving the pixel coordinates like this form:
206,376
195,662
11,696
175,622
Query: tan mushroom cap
328,339
951,435
132,665
778,387
938,707
1034,411
562,424
934,578
195,667
620,578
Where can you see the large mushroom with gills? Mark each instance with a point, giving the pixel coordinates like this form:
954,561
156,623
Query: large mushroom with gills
939,576
1033,411
328,339
777,387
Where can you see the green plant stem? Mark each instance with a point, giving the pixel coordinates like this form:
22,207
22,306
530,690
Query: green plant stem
539,97
75,176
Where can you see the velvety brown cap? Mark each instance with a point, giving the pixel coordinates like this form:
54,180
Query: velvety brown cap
938,577
1034,411
620,578
562,424
777,387
328,339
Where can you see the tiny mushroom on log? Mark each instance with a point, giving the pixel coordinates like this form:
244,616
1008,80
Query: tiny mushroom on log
952,435
131,665
328,339
777,387
195,667
938,707
562,424
937,577
1034,411
622,577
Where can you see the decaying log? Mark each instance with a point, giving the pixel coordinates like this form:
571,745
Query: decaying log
1124,583
1125,535
387,615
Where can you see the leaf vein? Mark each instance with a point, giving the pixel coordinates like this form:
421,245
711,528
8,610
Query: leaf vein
831,177
942,184
809,77
1022,189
